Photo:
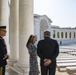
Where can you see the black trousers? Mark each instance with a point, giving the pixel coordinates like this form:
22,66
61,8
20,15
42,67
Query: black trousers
2,70
47,70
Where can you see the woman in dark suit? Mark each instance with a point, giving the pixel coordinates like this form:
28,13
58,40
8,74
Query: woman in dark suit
33,55
47,50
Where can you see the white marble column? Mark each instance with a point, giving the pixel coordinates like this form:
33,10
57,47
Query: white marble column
26,28
4,18
51,33
64,34
56,35
4,12
60,35
72,35
14,30
68,35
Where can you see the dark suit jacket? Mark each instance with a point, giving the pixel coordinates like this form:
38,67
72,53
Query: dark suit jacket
3,52
48,48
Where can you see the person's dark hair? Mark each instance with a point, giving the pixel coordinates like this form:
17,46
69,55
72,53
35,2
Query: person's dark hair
47,33
29,40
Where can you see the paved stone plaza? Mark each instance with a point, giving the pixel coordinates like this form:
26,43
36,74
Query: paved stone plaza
11,72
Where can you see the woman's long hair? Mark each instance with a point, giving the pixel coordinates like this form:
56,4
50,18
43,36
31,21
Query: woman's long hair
29,40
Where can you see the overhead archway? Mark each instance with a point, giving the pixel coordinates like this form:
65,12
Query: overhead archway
43,27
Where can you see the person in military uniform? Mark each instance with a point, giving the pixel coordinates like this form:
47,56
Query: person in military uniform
3,50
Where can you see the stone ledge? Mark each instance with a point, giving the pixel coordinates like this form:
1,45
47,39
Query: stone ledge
16,68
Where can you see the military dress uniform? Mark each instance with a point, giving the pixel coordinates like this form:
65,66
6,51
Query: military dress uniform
3,56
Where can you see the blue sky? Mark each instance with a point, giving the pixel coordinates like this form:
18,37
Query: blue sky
61,12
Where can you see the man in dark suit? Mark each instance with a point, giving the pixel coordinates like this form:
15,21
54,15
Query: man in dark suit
47,50
3,50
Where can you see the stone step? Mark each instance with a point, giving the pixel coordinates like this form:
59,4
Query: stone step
15,68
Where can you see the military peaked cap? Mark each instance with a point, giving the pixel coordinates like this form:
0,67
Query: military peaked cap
2,27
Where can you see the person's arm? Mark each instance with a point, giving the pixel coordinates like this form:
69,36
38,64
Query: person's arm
55,53
31,50
1,49
39,52
53,56
6,57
